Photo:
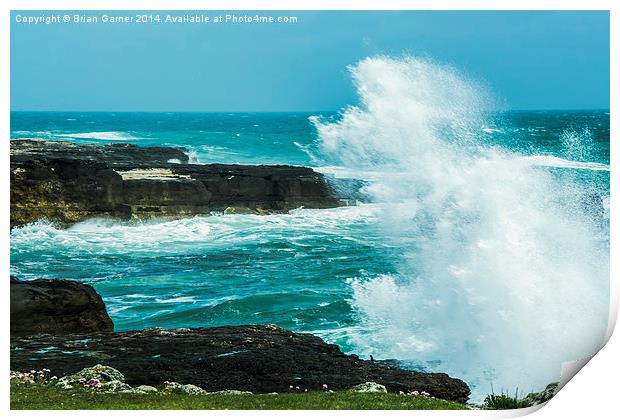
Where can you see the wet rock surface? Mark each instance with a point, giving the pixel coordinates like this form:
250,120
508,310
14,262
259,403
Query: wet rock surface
56,307
256,358
66,182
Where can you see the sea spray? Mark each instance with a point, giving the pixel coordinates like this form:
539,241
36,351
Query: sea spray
578,144
503,273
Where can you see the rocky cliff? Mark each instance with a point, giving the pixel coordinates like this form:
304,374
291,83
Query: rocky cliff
66,182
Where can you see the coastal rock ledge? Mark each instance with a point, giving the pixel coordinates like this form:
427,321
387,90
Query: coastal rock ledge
67,182
256,358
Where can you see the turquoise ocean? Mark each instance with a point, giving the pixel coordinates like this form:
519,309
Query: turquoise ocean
483,251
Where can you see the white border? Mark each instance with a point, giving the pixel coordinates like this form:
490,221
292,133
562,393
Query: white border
592,394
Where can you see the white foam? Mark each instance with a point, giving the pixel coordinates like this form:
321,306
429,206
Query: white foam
344,172
490,130
503,274
556,162
100,135
181,299
307,150
178,237
44,134
193,156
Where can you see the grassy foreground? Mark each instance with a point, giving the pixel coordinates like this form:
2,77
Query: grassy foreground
49,397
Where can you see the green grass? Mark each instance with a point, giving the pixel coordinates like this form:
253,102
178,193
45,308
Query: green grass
504,401
49,397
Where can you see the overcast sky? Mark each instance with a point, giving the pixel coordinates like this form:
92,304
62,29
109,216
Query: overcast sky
532,60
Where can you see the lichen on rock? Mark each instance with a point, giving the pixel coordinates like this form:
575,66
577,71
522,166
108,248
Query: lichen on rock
372,387
231,392
101,377
142,389
189,389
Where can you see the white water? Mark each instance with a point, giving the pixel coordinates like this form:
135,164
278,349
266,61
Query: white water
504,275
556,162
102,135
178,236
578,144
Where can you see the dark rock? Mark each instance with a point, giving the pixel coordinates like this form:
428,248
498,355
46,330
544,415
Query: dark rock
65,190
256,358
23,150
56,307
67,183
198,189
